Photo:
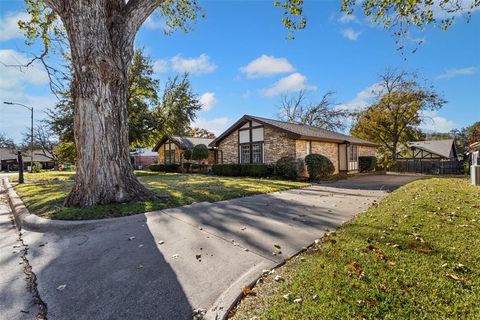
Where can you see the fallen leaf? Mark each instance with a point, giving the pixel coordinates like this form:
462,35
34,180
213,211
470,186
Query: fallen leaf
161,242
454,277
61,287
298,300
247,291
131,238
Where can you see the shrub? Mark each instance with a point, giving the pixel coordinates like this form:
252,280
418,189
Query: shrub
172,167
318,166
37,167
286,167
200,152
187,154
199,167
367,163
242,170
187,166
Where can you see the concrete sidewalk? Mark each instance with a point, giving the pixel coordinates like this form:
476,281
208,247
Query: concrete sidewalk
164,264
16,300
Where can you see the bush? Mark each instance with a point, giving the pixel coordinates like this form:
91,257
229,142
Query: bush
286,167
37,167
200,152
242,170
367,163
187,166
173,167
187,154
318,166
199,167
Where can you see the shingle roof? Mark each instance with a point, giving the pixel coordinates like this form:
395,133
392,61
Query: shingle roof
298,131
184,142
440,147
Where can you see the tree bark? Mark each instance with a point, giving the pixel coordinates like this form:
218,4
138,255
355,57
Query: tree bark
101,52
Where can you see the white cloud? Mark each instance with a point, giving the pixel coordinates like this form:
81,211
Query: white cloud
14,76
199,65
347,18
154,23
433,122
160,66
267,66
291,83
350,34
217,125
456,72
363,98
208,101
246,94
9,27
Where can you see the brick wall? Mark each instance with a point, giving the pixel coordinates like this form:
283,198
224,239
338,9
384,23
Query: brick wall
364,151
277,144
229,147
327,149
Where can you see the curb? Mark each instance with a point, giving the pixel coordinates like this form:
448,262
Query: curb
25,219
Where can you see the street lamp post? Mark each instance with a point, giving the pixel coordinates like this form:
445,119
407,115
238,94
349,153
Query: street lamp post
31,130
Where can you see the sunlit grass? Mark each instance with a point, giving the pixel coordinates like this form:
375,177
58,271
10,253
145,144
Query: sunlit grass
44,193
414,256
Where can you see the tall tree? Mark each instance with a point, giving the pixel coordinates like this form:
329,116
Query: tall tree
201,133
101,38
296,108
6,142
394,118
152,112
44,141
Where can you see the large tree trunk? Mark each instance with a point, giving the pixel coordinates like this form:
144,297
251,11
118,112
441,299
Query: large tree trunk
101,54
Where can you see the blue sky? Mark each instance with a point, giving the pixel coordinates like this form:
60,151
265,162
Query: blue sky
241,62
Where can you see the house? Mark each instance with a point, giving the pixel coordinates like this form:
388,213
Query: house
170,149
260,140
9,160
431,149
141,158
430,157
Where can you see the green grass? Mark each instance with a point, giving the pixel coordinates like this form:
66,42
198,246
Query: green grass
44,193
414,256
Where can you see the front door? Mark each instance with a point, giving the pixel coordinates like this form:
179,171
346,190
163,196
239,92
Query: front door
342,157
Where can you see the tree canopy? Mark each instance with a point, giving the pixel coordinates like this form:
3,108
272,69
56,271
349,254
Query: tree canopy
396,114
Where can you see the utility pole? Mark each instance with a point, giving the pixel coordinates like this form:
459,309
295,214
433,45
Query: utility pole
31,131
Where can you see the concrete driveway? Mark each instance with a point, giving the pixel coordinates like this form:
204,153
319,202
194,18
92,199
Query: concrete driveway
164,264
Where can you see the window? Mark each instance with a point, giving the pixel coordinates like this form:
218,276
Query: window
352,153
245,153
257,153
169,153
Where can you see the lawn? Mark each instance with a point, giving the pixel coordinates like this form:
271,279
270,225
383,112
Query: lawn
416,255
44,193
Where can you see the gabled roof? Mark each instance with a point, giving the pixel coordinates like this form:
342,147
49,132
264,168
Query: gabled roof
442,148
296,131
183,142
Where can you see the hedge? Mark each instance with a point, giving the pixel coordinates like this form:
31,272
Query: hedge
243,170
318,166
164,167
367,163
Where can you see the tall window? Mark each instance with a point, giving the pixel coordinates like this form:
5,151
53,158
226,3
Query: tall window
257,153
245,153
250,139
169,153
353,155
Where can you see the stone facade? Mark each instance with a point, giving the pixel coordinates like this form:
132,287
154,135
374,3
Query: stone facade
229,148
364,151
327,149
277,144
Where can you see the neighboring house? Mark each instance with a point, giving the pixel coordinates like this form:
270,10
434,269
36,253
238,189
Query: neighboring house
259,140
141,158
8,159
170,149
474,153
428,150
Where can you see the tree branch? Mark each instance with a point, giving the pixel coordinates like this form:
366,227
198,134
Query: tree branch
134,14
